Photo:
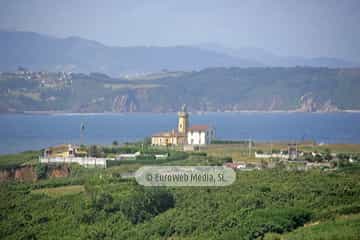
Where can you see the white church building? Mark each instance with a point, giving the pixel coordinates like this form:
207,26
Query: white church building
185,134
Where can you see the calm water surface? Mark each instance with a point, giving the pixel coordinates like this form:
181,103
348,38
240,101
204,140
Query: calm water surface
26,132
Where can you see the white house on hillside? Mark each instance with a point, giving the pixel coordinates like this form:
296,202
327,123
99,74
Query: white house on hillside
200,135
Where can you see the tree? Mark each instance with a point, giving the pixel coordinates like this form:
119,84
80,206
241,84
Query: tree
147,141
343,156
327,155
115,143
227,159
102,200
95,151
318,158
41,170
145,204
308,157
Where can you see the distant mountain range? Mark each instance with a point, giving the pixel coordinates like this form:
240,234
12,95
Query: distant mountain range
40,52
45,53
267,58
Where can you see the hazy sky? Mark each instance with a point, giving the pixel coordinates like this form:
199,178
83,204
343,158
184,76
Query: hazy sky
285,27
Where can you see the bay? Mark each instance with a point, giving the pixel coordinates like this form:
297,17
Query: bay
32,132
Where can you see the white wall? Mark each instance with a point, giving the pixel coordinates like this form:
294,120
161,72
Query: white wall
200,137
86,161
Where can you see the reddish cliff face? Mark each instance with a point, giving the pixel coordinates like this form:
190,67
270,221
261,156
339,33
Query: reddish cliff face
59,172
6,175
28,173
22,174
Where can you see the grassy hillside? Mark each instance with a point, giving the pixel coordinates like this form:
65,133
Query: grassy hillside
15,160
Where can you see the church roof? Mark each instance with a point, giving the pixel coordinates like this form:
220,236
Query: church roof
168,134
198,128
61,148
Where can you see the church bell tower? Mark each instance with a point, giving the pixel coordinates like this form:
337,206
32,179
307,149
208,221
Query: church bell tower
183,123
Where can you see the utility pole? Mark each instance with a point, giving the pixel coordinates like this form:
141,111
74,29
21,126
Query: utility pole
82,129
271,151
249,147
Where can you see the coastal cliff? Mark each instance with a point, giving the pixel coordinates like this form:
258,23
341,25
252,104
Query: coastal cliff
302,89
27,173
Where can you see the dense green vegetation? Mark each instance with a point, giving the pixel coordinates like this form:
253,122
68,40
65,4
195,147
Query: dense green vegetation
207,90
269,202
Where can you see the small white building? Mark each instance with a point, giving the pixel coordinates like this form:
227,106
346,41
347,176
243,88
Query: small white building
161,156
200,135
128,155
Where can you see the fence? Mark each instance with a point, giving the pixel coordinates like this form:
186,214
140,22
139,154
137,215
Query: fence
83,161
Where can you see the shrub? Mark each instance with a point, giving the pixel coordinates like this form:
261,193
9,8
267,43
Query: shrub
318,158
227,159
145,157
101,200
204,154
351,209
175,155
343,163
41,170
118,150
343,156
95,151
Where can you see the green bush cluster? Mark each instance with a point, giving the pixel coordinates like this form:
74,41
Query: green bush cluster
41,170
143,205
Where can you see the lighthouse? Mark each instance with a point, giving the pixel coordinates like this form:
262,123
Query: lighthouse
183,123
